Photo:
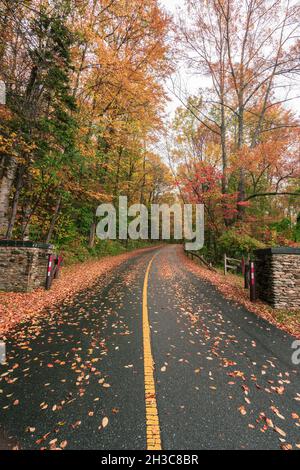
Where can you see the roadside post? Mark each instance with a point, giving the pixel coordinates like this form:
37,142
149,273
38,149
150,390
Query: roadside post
252,282
49,272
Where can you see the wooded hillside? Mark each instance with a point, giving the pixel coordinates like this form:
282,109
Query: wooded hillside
84,82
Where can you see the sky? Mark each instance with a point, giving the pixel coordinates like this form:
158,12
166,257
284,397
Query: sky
191,83
188,81
171,4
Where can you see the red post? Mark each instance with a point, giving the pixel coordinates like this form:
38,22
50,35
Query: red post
49,271
252,282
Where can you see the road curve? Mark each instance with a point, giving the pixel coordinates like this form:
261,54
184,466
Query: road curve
150,356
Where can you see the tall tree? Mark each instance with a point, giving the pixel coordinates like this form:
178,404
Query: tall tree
247,49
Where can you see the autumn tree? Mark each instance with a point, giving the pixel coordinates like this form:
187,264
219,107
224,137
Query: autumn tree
85,95
247,50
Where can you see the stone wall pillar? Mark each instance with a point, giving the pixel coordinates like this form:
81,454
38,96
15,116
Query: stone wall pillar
278,276
23,265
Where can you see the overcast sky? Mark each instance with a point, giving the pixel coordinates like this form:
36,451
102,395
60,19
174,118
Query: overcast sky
171,4
190,83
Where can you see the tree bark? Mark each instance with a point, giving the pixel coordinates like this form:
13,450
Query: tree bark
14,208
53,220
7,174
92,235
26,219
274,193
240,141
144,179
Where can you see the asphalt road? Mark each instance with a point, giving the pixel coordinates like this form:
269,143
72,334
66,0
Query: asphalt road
223,378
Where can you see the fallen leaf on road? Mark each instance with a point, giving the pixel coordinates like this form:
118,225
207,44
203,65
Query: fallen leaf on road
63,444
29,429
279,431
104,422
269,423
276,411
286,446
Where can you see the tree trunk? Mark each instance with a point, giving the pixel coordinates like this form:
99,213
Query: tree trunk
26,219
14,208
144,179
54,219
92,235
8,173
224,154
241,185
117,180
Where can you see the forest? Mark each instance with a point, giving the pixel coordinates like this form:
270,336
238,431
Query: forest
84,119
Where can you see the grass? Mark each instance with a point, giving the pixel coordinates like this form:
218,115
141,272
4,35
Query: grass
80,252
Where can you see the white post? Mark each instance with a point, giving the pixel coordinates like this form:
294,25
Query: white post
2,93
2,352
225,264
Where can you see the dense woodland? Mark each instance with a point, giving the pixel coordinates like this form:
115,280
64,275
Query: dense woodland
87,88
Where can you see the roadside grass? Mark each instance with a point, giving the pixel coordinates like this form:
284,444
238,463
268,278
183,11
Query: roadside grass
79,252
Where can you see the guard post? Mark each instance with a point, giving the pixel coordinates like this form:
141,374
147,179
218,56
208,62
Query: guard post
252,282
49,272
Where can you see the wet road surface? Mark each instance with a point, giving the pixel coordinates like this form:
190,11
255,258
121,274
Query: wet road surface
215,375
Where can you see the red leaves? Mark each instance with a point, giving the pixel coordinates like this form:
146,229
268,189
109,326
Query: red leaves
243,203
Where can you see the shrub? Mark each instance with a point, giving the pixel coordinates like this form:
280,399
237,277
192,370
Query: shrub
237,245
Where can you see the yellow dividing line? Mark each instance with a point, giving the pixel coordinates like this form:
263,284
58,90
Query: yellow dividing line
152,420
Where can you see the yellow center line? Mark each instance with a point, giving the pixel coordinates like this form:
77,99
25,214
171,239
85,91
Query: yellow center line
152,420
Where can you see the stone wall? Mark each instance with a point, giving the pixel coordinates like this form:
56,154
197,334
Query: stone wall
23,265
278,276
